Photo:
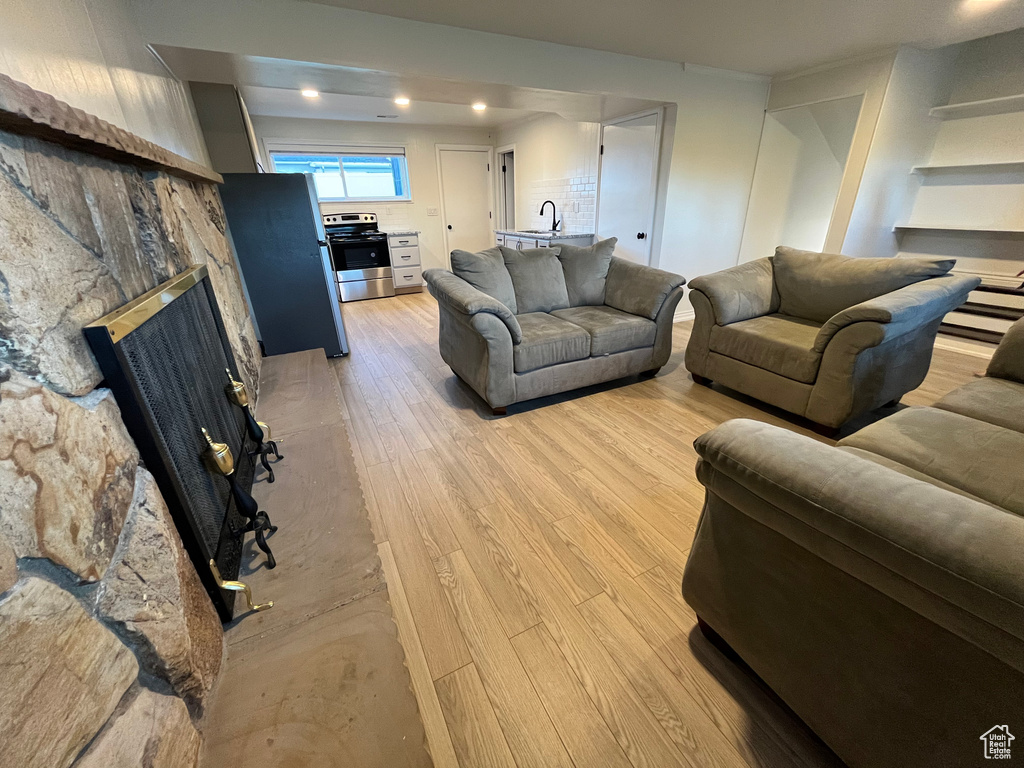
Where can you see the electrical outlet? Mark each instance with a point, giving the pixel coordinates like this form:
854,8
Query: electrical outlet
387,210
433,212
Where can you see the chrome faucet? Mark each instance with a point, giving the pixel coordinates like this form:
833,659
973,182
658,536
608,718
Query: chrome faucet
554,223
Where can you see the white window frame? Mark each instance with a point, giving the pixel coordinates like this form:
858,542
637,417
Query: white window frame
337,149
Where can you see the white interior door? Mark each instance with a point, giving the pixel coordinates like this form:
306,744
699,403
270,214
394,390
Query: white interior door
628,184
466,194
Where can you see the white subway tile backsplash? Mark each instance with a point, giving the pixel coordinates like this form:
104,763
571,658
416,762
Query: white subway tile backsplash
574,198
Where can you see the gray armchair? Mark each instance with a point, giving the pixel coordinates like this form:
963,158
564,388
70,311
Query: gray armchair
516,325
824,336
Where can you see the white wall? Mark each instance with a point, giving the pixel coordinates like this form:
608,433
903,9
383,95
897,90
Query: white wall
718,119
419,142
89,54
556,159
986,197
867,78
798,176
903,138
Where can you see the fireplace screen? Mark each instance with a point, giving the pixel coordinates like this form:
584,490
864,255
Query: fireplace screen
164,357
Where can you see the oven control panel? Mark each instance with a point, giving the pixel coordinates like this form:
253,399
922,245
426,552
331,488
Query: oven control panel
338,219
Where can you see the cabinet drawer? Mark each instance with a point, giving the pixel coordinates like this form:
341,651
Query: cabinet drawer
499,239
406,276
405,257
403,241
520,243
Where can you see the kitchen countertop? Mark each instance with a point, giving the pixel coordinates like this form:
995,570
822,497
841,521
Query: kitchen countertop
401,232
543,235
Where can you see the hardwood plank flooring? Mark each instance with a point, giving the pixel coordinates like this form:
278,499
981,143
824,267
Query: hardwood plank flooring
537,558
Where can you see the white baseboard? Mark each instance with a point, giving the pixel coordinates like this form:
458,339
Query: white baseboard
970,347
683,314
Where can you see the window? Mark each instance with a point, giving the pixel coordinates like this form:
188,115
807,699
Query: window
351,173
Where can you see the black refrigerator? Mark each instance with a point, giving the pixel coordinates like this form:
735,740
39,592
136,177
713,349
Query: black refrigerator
278,232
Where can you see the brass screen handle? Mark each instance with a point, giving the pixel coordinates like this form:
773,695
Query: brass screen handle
220,455
237,392
238,586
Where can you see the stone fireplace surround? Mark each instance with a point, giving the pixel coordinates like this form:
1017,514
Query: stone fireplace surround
109,646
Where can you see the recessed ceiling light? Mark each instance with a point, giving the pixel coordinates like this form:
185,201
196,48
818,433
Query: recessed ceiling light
402,101
975,7
309,93
479,106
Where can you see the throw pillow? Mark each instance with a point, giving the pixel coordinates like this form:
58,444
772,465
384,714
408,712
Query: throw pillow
537,278
586,270
486,272
817,286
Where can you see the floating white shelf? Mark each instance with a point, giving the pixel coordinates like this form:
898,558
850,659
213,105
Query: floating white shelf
981,108
1017,165
900,228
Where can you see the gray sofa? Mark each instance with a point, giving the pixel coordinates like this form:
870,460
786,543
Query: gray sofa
516,325
877,586
824,336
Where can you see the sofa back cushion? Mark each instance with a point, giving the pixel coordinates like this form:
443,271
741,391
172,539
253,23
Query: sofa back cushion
537,279
486,272
816,286
586,270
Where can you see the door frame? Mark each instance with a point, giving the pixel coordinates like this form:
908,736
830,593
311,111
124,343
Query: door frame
438,148
659,113
501,204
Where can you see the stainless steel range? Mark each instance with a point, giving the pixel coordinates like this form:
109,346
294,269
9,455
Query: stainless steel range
362,262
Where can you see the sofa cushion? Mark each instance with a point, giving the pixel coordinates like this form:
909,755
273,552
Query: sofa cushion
816,286
903,469
548,340
776,343
586,270
486,272
537,278
996,401
611,330
979,458
1008,360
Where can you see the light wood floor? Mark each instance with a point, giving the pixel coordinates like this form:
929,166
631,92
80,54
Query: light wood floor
534,561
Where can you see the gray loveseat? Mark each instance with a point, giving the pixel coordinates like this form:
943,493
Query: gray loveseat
824,336
516,325
877,586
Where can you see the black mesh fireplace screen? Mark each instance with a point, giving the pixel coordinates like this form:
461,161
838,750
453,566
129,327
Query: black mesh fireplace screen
164,357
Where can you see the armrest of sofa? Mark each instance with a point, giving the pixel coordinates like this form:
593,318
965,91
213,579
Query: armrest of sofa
859,514
638,289
904,309
741,292
1008,360
457,295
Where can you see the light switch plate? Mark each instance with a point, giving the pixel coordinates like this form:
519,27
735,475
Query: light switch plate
433,212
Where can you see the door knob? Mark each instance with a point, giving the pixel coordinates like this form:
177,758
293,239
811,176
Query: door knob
449,226
641,235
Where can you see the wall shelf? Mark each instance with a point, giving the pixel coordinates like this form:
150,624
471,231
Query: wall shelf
1016,165
982,108
900,228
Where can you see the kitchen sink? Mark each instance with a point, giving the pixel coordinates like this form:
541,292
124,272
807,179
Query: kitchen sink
538,231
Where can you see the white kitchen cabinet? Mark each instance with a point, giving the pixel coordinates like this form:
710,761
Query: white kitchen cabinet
405,257
521,241
405,261
408,279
